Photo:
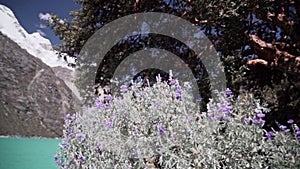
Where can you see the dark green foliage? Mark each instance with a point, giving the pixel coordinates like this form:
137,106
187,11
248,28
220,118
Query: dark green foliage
258,42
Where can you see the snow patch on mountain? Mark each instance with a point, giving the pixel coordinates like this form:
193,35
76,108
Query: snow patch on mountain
34,43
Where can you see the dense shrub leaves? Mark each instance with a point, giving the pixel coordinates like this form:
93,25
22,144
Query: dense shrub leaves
154,128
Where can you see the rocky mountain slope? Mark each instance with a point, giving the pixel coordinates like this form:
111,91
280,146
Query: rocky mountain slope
34,100
36,87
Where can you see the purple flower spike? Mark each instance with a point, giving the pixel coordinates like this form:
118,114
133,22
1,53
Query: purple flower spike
109,124
178,89
255,121
290,121
70,133
282,127
107,106
257,111
225,107
98,103
178,92
98,147
160,129
64,144
68,117
262,121
135,154
80,137
134,128
270,134
123,89
171,82
228,92
246,120
57,161
80,159
158,78
260,115
109,98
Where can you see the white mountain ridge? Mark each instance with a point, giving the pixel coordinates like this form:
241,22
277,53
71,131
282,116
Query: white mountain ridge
37,46
34,43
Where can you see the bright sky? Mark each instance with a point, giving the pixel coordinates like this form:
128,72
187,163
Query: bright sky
31,13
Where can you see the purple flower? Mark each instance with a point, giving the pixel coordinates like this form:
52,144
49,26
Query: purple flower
70,133
64,144
76,121
98,148
199,99
68,117
225,107
171,82
178,89
109,124
57,161
290,121
228,92
260,115
256,121
270,134
261,121
282,127
99,103
257,111
107,106
109,98
135,154
227,118
134,128
158,78
178,92
246,120
80,159
123,88
160,129
80,137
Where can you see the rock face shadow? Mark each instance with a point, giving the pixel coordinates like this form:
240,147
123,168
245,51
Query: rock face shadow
34,100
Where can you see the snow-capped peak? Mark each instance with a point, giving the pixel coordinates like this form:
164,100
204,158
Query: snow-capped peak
34,43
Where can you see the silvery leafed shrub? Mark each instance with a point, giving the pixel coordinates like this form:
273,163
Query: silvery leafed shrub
162,127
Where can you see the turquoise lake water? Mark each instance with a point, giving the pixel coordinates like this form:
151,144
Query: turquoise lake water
28,153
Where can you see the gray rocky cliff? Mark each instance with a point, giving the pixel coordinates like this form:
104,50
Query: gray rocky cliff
33,100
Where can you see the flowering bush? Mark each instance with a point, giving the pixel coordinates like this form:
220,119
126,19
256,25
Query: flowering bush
161,127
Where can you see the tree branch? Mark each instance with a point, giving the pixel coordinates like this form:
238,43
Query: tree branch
272,56
282,21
